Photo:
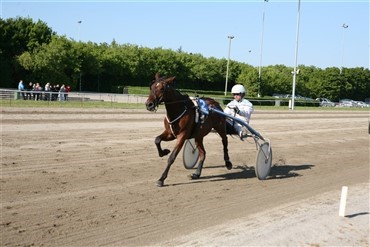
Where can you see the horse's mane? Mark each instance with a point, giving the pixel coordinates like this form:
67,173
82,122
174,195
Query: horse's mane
182,96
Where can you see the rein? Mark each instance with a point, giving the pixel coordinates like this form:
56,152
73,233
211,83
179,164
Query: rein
180,116
177,101
173,102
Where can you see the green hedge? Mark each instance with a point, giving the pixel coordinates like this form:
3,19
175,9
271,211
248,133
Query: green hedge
278,102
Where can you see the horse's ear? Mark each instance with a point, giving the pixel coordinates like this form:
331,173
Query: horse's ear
157,76
171,80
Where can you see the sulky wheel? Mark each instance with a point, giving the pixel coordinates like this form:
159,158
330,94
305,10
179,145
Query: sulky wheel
263,161
190,154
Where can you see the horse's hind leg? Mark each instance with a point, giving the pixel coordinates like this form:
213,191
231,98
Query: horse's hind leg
202,157
222,132
228,163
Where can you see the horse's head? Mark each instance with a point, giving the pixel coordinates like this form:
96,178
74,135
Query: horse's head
158,91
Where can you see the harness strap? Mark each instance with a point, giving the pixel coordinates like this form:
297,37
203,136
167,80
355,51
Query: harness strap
195,102
171,122
173,133
196,106
182,114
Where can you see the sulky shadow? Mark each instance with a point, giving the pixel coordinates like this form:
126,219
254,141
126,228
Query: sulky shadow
245,172
238,172
287,171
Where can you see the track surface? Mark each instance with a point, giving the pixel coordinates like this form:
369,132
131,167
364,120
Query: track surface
87,177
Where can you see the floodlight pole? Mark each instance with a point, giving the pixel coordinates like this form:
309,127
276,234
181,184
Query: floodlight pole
79,30
296,56
228,61
345,26
260,66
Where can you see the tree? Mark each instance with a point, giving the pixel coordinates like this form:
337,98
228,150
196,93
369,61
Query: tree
359,79
32,51
55,62
249,78
17,36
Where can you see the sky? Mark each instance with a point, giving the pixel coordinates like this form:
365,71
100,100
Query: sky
203,27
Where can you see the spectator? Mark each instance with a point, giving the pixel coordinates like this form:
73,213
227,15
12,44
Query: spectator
37,88
67,90
61,93
56,89
29,89
47,91
21,88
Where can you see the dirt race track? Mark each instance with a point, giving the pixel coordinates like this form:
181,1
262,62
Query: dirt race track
86,177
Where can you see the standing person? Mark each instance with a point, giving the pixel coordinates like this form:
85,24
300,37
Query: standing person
29,89
21,88
68,89
47,90
240,108
56,89
61,93
37,88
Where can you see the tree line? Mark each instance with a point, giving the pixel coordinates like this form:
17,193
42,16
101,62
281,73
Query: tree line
32,51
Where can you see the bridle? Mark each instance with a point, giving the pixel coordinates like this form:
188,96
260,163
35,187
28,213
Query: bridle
160,100
157,100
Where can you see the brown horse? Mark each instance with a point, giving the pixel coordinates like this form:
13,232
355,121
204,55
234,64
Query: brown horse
180,123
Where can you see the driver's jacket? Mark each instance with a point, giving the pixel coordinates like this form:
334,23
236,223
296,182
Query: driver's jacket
245,109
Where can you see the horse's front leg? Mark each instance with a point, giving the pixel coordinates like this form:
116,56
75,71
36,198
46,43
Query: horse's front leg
165,136
171,159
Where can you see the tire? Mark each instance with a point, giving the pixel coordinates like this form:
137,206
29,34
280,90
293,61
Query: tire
263,161
190,154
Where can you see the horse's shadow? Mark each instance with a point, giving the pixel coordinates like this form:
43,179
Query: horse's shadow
245,172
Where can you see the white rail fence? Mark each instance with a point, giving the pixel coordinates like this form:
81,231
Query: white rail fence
8,94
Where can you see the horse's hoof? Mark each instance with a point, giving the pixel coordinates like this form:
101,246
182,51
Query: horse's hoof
229,165
160,183
194,176
164,152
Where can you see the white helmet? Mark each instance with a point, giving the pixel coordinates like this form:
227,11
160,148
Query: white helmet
238,88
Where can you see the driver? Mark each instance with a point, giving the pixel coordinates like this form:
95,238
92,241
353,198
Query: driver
240,108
